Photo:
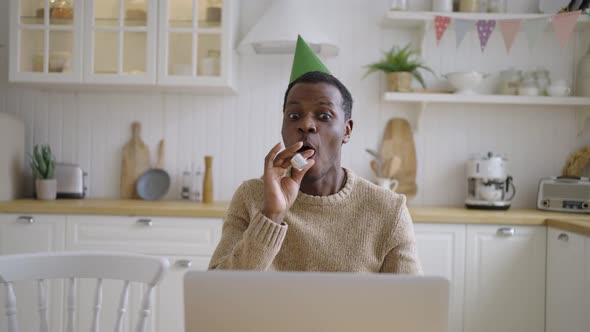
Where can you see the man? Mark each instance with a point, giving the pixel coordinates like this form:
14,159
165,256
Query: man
322,217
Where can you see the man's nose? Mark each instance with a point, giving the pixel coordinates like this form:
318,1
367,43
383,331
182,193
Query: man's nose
307,125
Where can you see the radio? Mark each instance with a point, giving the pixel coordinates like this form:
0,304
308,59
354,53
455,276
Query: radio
564,194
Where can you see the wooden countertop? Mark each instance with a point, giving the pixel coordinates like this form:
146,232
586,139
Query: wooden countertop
574,222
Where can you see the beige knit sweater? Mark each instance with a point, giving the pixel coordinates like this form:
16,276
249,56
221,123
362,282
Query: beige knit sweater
361,228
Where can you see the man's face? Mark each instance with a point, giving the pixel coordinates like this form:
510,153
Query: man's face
313,114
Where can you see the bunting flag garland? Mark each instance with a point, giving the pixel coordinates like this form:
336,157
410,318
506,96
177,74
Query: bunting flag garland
534,29
461,28
441,23
509,30
563,25
484,31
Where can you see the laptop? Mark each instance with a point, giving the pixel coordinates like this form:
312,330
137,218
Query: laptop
246,301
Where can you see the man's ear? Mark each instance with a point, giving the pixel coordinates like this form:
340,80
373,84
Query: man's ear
347,131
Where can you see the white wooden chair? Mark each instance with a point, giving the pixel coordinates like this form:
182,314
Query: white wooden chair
73,265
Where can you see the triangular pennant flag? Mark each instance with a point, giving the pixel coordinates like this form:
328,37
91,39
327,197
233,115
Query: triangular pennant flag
461,28
509,30
533,29
441,23
563,25
484,31
305,61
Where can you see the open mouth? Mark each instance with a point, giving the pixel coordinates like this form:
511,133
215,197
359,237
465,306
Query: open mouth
305,148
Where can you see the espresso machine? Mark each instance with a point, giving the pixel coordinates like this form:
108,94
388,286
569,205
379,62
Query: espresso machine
489,187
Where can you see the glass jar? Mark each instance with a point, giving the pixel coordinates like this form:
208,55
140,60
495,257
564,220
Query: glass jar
497,6
214,11
469,6
543,81
399,5
61,9
210,65
509,81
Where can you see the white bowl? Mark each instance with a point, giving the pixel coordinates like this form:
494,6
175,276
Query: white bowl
465,82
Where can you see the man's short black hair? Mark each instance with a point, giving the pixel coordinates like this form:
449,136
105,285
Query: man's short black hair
320,77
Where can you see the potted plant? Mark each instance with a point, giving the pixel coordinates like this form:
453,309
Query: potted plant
43,166
400,66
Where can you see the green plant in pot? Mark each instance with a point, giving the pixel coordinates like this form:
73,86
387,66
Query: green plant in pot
43,166
400,65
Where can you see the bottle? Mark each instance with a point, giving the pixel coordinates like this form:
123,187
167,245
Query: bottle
186,184
209,65
208,180
583,76
196,189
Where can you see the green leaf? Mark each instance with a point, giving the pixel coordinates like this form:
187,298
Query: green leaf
50,170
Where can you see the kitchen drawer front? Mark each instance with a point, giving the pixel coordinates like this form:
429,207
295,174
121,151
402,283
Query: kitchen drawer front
157,235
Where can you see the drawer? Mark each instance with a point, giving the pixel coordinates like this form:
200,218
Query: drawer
150,235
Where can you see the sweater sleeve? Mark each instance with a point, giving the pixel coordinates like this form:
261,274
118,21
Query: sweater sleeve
403,255
248,241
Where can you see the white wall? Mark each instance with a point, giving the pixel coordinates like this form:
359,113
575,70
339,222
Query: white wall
90,128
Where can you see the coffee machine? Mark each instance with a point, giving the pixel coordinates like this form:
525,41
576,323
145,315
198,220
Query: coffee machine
489,187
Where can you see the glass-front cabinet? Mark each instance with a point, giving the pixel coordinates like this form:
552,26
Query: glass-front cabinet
194,44
45,39
120,41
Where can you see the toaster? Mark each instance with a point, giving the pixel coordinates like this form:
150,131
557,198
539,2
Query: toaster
564,194
70,181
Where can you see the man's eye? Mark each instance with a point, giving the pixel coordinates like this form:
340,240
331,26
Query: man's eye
325,116
293,116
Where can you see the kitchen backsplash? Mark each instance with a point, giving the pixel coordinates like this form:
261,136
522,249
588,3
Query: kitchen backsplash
90,127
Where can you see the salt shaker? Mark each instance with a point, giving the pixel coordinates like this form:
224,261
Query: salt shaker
186,185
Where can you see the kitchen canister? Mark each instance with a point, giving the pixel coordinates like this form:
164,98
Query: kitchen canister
583,76
445,6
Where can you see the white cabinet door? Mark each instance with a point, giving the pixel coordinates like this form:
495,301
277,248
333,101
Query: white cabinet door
566,308
441,249
196,43
505,279
27,234
587,284
169,309
45,45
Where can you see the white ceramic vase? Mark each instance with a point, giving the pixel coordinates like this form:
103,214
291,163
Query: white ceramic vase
46,189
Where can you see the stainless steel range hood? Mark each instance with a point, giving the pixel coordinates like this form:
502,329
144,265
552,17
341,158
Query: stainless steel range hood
276,32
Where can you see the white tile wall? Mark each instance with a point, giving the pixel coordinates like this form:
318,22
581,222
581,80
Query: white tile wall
90,128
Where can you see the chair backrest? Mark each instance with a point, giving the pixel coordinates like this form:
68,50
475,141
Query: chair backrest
81,264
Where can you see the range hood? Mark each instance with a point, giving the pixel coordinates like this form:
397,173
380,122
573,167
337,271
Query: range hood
276,32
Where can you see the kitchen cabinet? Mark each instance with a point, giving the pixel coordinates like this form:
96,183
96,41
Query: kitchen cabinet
27,234
180,43
567,295
441,249
505,278
170,294
187,242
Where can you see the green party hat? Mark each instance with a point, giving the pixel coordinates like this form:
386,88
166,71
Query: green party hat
305,61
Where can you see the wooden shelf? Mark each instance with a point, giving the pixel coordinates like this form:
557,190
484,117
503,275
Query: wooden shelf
450,98
409,19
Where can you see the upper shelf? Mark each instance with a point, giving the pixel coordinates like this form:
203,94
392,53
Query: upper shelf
409,19
450,98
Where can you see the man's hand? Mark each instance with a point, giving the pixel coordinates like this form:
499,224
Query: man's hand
280,189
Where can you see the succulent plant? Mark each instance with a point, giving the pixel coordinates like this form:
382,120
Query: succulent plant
42,162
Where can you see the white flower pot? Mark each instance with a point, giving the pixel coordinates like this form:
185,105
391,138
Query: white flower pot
46,189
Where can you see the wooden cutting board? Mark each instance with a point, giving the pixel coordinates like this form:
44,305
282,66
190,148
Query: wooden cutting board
398,141
135,162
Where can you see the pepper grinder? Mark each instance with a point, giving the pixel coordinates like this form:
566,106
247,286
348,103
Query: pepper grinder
208,180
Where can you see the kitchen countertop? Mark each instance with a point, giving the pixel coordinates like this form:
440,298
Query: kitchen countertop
574,222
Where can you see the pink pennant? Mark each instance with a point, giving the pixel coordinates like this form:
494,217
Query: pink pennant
563,25
441,23
484,30
509,29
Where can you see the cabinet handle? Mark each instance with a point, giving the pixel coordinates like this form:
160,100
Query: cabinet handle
506,231
145,222
25,220
184,263
563,237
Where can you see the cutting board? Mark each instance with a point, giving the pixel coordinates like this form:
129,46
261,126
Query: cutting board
398,141
135,162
